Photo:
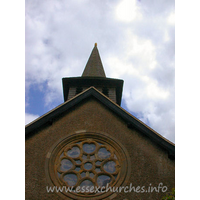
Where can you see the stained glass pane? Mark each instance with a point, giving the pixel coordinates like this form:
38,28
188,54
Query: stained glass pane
74,152
77,169
86,183
88,166
66,165
103,180
83,174
58,174
89,148
84,157
71,179
62,155
78,161
91,175
97,169
103,153
98,163
110,166
92,157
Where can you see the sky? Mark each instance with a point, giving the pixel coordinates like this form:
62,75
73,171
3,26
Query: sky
136,42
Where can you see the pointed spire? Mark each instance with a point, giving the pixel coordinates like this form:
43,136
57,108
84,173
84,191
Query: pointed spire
94,67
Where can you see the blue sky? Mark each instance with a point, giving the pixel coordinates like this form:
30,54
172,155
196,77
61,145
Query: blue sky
136,43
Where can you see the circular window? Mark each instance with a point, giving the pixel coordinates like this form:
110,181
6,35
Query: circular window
88,164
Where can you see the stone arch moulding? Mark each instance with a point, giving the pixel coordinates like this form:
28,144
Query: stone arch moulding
85,160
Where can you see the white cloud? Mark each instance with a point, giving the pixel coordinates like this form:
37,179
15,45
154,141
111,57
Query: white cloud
128,11
30,117
171,18
135,40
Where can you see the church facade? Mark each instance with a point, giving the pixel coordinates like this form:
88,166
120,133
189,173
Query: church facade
89,147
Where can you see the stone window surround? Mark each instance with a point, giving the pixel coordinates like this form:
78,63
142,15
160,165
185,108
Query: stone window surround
111,144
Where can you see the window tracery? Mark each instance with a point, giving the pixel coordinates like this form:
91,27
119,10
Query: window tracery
93,160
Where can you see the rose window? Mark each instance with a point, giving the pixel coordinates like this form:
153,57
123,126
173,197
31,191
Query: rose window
93,161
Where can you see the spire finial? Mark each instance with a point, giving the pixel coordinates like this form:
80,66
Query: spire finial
95,44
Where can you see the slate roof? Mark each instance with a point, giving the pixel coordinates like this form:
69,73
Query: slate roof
132,122
94,67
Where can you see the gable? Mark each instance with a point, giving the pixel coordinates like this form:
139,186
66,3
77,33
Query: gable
131,121
91,112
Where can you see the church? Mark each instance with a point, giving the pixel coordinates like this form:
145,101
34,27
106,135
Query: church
89,147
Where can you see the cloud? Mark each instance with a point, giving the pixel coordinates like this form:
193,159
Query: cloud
30,117
128,10
135,40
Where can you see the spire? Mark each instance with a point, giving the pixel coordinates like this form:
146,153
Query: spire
93,75
94,67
